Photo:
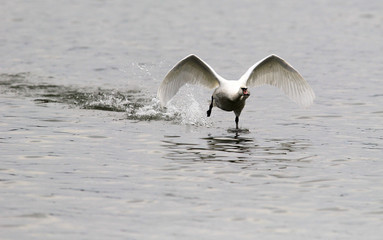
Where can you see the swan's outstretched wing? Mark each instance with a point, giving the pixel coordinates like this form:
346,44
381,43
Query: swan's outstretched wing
190,70
275,71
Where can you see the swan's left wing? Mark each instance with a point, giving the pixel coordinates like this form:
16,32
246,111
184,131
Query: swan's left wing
275,71
191,70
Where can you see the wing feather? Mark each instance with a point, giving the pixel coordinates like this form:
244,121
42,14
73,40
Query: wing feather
190,70
275,71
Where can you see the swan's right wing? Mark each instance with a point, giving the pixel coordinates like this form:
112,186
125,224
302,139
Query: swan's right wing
191,70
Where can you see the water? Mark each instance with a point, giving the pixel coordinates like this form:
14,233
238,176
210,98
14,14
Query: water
87,152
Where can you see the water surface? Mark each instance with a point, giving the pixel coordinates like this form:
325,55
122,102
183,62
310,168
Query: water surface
87,152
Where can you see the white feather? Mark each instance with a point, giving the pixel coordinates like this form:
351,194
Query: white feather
275,71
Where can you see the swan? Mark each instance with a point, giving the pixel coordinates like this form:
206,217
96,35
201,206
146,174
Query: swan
231,95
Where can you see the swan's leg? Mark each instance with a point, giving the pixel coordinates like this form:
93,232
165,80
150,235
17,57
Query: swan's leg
210,107
237,112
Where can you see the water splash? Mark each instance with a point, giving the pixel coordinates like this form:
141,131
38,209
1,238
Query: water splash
180,113
137,104
190,110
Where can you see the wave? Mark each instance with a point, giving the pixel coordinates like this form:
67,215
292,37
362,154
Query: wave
136,104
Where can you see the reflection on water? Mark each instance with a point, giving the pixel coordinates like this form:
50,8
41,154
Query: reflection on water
234,148
230,143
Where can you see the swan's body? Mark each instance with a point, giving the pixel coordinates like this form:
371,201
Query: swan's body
231,95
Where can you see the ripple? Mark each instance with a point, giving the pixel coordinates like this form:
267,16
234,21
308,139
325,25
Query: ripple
96,136
34,215
333,209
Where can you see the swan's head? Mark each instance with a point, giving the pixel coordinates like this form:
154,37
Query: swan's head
244,92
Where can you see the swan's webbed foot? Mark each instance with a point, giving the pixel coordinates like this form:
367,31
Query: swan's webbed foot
208,113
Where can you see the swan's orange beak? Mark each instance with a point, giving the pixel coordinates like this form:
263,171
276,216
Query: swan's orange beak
245,92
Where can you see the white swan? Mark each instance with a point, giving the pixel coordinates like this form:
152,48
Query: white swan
231,95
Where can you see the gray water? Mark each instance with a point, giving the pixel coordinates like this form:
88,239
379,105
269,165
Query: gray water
87,153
